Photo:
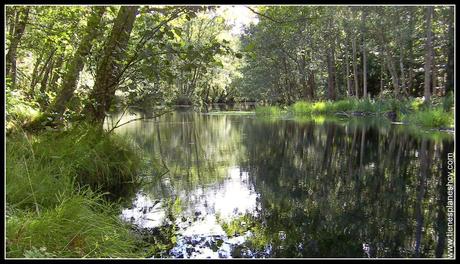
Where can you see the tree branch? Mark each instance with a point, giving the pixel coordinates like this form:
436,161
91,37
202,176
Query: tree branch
140,118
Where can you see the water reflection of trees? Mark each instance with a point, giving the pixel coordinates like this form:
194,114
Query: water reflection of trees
196,149
332,188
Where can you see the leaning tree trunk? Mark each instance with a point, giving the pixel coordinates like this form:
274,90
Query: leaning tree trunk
428,53
75,66
46,74
33,81
19,27
37,77
110,67
56,73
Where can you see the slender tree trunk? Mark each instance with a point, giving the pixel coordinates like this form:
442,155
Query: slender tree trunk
347,69
403,79
428,53
363,30
76,64
311,84
56,72
450,53
304,77
410,64
355,67
391,66
401,62
382,72
33,81
110,68
434,72
19,27
331,74
46,74
12,15
394,75
39,77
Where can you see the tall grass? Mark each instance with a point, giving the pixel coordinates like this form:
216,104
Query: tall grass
52,161
52,206
412,110
268,111
431,118
80,225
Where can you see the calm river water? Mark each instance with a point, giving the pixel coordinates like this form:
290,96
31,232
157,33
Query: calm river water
244,186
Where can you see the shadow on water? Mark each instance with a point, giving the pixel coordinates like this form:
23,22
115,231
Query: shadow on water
249,187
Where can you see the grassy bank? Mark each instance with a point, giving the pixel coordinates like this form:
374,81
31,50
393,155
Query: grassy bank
412,111
54,194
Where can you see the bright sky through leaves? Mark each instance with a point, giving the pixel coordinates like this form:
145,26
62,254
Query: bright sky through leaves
239,16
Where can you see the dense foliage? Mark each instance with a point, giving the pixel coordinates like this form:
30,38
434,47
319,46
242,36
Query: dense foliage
318,52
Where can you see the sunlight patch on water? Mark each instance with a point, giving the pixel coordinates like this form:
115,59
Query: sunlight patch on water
199,234
145,212
236,196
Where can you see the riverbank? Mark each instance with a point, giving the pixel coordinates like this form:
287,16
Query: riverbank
439,115
59,188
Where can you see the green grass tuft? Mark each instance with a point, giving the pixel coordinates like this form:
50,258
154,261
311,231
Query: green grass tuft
414,111
431,118
268,111
48,214
80,225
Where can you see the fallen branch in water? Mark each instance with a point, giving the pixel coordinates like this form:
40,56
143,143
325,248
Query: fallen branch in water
137,119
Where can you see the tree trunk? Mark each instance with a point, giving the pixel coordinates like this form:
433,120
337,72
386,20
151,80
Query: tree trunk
355,67
428,53
410,64
12,16
33,81
56,72
450,53
19,27
110,68
401,59
394,75
39,77
434,72
311,84
331,74
363,30
382,71
347,69
75,66
46,74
